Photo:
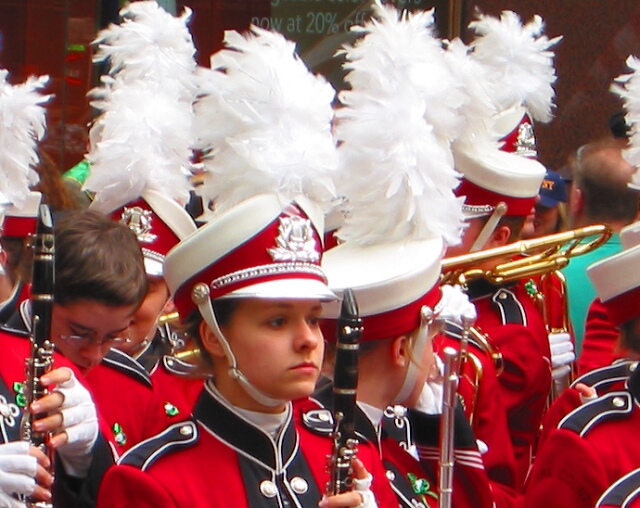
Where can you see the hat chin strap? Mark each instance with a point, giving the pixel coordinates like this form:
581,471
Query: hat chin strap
206,310
490,226
422,339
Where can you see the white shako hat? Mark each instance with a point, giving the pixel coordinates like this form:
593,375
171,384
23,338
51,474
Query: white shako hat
394,130
492,177
22,125
140,144
616,280
263,123
630,235
21,221
519,76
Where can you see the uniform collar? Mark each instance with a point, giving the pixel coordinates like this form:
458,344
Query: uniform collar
480,288
220,418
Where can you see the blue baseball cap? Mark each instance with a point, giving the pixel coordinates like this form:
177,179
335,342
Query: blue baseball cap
553,190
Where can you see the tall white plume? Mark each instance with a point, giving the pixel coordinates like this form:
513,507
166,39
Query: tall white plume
22,125
520,62
627,86
263,122
395,129
142,137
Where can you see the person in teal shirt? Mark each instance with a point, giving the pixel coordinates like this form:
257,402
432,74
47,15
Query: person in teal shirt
599,195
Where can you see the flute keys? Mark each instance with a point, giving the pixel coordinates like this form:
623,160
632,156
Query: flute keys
299,485
269,489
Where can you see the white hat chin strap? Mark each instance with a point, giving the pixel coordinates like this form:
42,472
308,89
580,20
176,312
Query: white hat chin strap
489,227
420,343
206,310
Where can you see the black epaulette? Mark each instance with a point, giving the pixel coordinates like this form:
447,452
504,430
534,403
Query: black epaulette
509,307
175,437
318,421
608,375
611,406
622,492
122,362
177,366
454,330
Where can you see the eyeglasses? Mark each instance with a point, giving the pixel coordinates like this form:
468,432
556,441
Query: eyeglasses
87,340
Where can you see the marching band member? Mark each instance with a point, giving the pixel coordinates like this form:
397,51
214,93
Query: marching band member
67,411
600,434
397,180
139,154
250,287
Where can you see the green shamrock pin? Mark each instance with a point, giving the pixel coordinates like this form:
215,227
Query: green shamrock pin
421,487
119,435
170,409
21,398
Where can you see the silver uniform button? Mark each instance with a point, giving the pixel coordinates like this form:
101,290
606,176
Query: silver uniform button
186,430
390,475
268,488
618,401
633,366
299,485
324,416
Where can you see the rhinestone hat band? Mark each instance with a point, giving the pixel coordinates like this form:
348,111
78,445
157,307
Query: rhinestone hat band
267,270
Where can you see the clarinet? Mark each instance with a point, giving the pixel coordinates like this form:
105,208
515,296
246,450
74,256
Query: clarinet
40,360
345,382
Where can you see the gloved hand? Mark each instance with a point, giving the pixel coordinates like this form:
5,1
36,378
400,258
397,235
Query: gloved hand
72,419
431,395
562,354
360,497
20,466
455,305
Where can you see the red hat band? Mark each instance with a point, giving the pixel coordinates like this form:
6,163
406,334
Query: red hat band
521,140
19,226
393,323
478,199
288,247
624,307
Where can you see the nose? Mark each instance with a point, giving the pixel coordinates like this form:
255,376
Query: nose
93,353
307,335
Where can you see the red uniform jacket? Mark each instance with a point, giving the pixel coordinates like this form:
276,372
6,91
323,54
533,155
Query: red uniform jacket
603,380
68,492
509,317
219,459
594,446
126,397
480,395
599,347
415,481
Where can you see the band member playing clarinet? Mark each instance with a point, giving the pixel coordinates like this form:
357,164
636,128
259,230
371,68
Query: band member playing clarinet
249,288
399,213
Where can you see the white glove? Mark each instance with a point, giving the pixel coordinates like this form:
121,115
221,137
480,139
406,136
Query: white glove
431,395
80,422
562,354
456,305
17,473
363,487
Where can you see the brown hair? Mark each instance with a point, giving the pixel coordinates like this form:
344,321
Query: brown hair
97,259
19,258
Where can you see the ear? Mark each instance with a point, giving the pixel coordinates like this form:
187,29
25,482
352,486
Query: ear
400,351
576,201
499,237
209,340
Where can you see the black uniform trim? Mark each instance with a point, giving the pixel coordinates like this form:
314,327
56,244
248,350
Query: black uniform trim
318,421
622,492
611,406
605,376
177,436
124,363
177,366
426,429
509,307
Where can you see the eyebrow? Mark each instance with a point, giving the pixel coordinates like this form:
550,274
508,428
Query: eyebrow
83,329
